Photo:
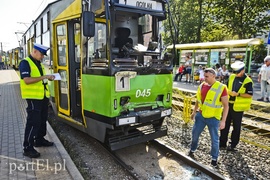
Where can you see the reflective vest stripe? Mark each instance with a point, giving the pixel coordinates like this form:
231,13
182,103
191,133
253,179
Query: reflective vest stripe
218,91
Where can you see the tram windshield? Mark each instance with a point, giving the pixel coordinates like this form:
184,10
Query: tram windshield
132,39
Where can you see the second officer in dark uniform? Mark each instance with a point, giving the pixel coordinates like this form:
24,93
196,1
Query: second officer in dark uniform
240,90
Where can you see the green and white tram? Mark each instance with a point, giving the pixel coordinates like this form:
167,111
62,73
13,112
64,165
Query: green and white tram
114,84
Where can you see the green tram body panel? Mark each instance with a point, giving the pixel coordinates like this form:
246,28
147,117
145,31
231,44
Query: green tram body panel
99,93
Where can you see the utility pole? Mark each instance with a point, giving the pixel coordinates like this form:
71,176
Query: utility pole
1,57
19,32
268,44
1,49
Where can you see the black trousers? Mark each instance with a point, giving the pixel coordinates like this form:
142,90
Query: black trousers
176,76
236,119
37,114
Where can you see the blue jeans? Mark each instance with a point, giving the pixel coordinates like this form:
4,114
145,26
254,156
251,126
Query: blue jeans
213,126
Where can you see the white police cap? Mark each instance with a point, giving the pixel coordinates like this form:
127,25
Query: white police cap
267,58
43,49
237,66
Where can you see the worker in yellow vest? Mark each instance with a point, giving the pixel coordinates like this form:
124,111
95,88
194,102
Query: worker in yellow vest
35,90
211,108
240,90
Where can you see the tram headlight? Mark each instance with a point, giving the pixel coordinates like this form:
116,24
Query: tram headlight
115,104
168,97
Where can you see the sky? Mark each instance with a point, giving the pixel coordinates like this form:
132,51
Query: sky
16,16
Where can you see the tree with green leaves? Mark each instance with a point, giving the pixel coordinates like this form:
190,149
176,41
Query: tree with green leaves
185,17
217,20
241,18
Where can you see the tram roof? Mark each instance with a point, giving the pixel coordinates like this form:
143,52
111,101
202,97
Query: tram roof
218,44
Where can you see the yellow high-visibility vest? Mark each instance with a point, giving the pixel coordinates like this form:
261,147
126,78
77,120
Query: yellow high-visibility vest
212,105
240,103
36,90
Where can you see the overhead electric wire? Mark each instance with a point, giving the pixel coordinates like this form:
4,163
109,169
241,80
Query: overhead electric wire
39,7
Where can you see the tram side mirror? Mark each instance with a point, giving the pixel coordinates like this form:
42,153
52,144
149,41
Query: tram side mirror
88,24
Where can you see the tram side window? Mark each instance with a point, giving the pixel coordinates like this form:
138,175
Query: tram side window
61,43
145,23
97,55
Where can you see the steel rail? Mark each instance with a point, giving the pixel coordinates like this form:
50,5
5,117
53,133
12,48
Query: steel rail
187,160
128,168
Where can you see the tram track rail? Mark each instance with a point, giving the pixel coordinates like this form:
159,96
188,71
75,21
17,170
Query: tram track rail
91,159
189,161
86,147
170,152
129,169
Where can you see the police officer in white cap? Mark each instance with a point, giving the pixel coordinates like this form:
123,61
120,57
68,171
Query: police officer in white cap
264,79
240,90
35,90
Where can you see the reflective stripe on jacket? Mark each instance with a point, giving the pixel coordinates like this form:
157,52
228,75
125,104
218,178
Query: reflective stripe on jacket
240,103
212,105
34,90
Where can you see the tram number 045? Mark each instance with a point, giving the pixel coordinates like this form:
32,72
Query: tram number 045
143,93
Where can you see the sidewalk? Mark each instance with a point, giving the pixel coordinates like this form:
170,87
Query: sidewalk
54,162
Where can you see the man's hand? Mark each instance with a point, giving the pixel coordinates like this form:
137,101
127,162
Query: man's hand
50,77
259,78
232,93
221,125
192,116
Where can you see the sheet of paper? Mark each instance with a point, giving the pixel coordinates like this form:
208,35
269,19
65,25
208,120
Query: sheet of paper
56,76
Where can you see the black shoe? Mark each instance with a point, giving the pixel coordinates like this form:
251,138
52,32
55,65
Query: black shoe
222,148
214,163
43,142
191,154
230,148
260,99
267,100
31,153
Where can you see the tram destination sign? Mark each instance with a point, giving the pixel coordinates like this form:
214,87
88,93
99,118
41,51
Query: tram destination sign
144,4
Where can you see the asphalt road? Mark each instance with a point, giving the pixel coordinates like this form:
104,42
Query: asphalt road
194,86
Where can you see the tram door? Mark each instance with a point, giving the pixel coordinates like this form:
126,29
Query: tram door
68,89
